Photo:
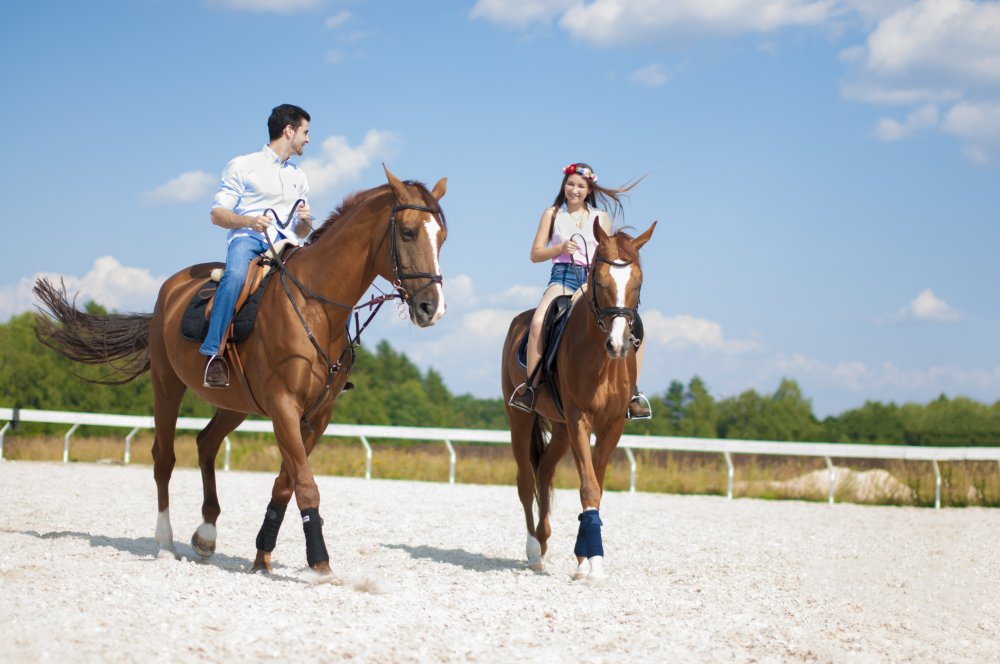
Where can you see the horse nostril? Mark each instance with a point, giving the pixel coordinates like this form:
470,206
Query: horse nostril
426,309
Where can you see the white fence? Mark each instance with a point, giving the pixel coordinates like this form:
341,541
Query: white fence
726,447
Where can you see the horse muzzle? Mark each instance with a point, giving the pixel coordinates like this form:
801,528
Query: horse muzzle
427,307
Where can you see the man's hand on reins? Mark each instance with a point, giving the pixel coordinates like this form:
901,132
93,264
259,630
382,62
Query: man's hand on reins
260,224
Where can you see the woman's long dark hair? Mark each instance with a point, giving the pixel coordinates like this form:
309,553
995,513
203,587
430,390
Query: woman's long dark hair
598,198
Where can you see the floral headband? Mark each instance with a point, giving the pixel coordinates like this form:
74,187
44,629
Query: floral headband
581,170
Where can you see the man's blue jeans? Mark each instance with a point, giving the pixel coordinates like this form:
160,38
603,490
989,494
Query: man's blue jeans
242,250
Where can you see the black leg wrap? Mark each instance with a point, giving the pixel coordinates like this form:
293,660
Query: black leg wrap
312,525
267,538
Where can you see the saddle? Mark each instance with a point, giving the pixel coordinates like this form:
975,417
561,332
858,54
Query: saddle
553,326
194,322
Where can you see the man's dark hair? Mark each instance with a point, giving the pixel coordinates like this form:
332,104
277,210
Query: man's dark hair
284,115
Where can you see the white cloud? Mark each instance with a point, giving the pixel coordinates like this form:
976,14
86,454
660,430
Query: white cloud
276,6
937,51
338,19
925,117
978,125
109,283
187,187
684,331
339,163
460,292
651,76
623,22
523,296
519,13
925,306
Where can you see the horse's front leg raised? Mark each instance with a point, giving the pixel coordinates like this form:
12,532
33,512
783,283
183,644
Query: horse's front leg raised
295,477
589,547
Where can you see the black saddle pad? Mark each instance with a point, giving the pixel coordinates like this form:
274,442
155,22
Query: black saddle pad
552,329
194,325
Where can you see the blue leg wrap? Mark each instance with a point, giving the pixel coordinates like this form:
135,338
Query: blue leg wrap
312,525
588,537
267,538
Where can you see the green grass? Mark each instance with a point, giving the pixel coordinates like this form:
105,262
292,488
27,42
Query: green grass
970,483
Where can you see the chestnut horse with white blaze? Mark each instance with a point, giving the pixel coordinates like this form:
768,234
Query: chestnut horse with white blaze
595,372
294,359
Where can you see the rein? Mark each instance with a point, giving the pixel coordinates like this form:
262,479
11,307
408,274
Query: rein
374,304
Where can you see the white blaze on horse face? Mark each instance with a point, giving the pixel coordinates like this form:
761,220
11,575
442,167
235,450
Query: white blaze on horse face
621,275
432,227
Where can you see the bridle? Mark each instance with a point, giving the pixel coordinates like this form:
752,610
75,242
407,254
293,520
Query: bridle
630,314
397,269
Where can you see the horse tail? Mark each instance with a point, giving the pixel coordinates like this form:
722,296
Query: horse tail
539,428
118,340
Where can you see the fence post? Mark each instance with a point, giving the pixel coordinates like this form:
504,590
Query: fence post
2,432
631,461
451,465
66,442
368,457
128,444
833,478
937,485
729,482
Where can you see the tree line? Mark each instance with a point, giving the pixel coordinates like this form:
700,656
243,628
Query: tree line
392,390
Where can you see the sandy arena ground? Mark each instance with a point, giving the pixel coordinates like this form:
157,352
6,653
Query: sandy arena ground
432,572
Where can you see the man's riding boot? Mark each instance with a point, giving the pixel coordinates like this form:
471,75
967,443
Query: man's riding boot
523,398
216,372
638,408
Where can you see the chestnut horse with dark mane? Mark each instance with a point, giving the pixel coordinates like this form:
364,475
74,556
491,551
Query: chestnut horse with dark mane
293,360
595,372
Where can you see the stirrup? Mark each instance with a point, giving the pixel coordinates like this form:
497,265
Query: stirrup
220,365
526,403
644,407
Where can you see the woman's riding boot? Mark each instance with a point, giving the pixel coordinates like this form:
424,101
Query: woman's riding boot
638,408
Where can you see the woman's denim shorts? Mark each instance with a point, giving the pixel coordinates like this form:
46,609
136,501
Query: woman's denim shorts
568,275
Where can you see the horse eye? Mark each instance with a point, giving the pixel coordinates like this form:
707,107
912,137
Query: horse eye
408,233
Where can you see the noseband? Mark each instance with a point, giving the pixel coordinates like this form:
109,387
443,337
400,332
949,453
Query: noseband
629,314
397,270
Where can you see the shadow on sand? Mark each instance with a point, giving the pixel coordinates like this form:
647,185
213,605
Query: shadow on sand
474,562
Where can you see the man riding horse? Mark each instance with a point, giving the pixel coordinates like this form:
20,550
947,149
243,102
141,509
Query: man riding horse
253,184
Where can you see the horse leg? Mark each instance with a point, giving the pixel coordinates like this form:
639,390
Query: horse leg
209,440
521,425
589,548
295,460
544,476
281,494
168,390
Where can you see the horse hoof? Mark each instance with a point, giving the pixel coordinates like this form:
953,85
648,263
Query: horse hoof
203,540
262,563
597,575
166,554
322,568
533,550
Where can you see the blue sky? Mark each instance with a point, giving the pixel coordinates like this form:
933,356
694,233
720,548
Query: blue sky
825,173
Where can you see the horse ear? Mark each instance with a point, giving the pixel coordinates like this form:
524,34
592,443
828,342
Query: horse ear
397,186
439,189
644,238
599,233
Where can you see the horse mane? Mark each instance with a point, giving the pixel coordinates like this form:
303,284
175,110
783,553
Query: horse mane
626,249
356,199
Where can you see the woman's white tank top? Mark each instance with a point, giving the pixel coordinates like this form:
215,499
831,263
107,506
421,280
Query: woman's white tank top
564,228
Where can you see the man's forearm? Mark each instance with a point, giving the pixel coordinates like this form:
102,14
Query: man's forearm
228,219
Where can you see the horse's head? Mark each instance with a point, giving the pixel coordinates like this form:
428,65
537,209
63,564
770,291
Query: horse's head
416,232
615,281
